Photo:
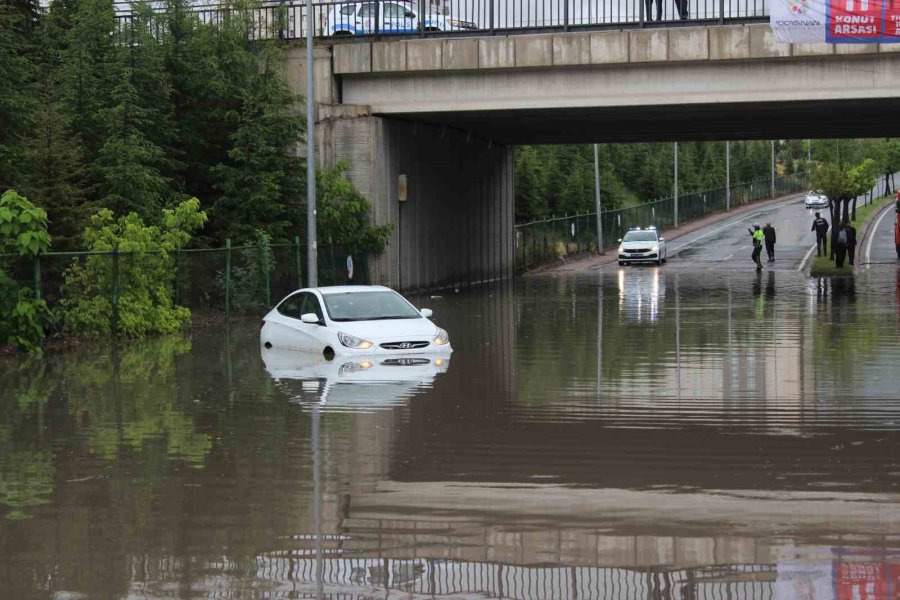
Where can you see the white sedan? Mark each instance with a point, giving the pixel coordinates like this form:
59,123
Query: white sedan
642,245
357,320
816,200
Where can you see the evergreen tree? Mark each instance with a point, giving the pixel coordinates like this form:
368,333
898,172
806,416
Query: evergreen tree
57,173
17,22
261,182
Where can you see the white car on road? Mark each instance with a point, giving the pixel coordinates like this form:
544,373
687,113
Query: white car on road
357,320
642,245
816,200
360,18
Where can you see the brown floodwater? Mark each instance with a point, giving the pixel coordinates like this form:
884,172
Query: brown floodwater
637,433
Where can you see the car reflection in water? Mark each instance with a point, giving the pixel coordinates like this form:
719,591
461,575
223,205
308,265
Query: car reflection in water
357,383
641,292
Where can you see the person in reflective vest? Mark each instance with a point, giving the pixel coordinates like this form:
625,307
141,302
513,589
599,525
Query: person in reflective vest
757,234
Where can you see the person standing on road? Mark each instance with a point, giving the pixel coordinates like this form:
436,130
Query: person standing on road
769,236
820,226
840,246
851,241
757,235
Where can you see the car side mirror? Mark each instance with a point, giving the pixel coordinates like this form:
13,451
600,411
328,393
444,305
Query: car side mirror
410,15
311,318
620,240
425,312
662,239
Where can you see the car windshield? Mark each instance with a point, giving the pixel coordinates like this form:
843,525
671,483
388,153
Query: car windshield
368,306
640,236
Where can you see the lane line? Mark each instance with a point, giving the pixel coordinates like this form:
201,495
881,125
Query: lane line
873,232
806,258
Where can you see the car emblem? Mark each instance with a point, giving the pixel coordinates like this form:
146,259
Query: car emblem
405,345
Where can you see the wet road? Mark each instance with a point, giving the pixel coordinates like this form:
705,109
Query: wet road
684,432
727,244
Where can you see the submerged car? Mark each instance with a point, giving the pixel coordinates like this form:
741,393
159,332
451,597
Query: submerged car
351,321
361,18
642,245
816,199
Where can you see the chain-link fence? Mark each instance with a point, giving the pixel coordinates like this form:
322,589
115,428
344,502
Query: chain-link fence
230,279
539,241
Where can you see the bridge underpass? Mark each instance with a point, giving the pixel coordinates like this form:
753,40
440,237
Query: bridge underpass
444,113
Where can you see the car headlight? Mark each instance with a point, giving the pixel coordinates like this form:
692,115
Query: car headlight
655,248
351,341
441,338
622,249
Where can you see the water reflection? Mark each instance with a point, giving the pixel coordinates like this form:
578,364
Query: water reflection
352,384
650,434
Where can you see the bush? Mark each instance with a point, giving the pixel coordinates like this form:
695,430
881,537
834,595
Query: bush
23,231
145,272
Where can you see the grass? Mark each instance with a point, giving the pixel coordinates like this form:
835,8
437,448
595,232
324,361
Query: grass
824,266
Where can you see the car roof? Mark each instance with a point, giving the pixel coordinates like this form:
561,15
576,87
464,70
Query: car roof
349,289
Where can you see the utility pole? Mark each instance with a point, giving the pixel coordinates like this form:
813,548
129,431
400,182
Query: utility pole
676,185
727,176
597,199
772,186
312,249
809,159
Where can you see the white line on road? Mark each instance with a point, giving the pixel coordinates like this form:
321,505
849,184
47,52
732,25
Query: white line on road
872,233
806,258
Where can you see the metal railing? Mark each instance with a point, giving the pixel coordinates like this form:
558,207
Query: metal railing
551,239
287,19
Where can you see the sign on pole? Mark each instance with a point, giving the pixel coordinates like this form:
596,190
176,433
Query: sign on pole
836,21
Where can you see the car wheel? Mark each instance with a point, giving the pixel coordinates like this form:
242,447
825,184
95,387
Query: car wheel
658,262
621,263
342,33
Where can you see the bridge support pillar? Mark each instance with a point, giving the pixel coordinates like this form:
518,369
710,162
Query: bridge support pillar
455,227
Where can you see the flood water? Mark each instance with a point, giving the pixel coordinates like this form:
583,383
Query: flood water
637,433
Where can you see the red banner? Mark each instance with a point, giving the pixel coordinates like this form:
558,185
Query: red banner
855,19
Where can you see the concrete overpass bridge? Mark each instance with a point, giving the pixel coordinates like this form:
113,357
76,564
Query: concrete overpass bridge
444,113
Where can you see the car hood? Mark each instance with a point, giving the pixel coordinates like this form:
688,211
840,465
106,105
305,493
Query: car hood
388,329
630,245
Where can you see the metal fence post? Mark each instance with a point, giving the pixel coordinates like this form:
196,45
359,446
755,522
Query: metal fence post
297,260
491,16
227,277
721,12
641,11
115,290
727,176
565,15
177,278
37,277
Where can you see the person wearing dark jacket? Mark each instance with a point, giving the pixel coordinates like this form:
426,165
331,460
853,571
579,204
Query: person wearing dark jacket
820,226
769,237
839,244
851,242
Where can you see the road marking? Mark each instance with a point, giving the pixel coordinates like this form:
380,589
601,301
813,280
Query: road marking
806,258
872,233
733,222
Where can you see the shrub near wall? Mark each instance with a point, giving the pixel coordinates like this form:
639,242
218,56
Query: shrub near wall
132,292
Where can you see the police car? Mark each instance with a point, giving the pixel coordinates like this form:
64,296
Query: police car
642,245
360,18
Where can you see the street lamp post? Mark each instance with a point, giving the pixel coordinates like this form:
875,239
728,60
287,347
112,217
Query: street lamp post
597,199
772,183
727,176
675,186
312,250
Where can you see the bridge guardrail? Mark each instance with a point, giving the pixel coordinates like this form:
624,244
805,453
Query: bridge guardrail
540,241
392,18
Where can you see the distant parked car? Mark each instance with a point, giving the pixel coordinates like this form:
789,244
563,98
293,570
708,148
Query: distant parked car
816,199
642,245
360,18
